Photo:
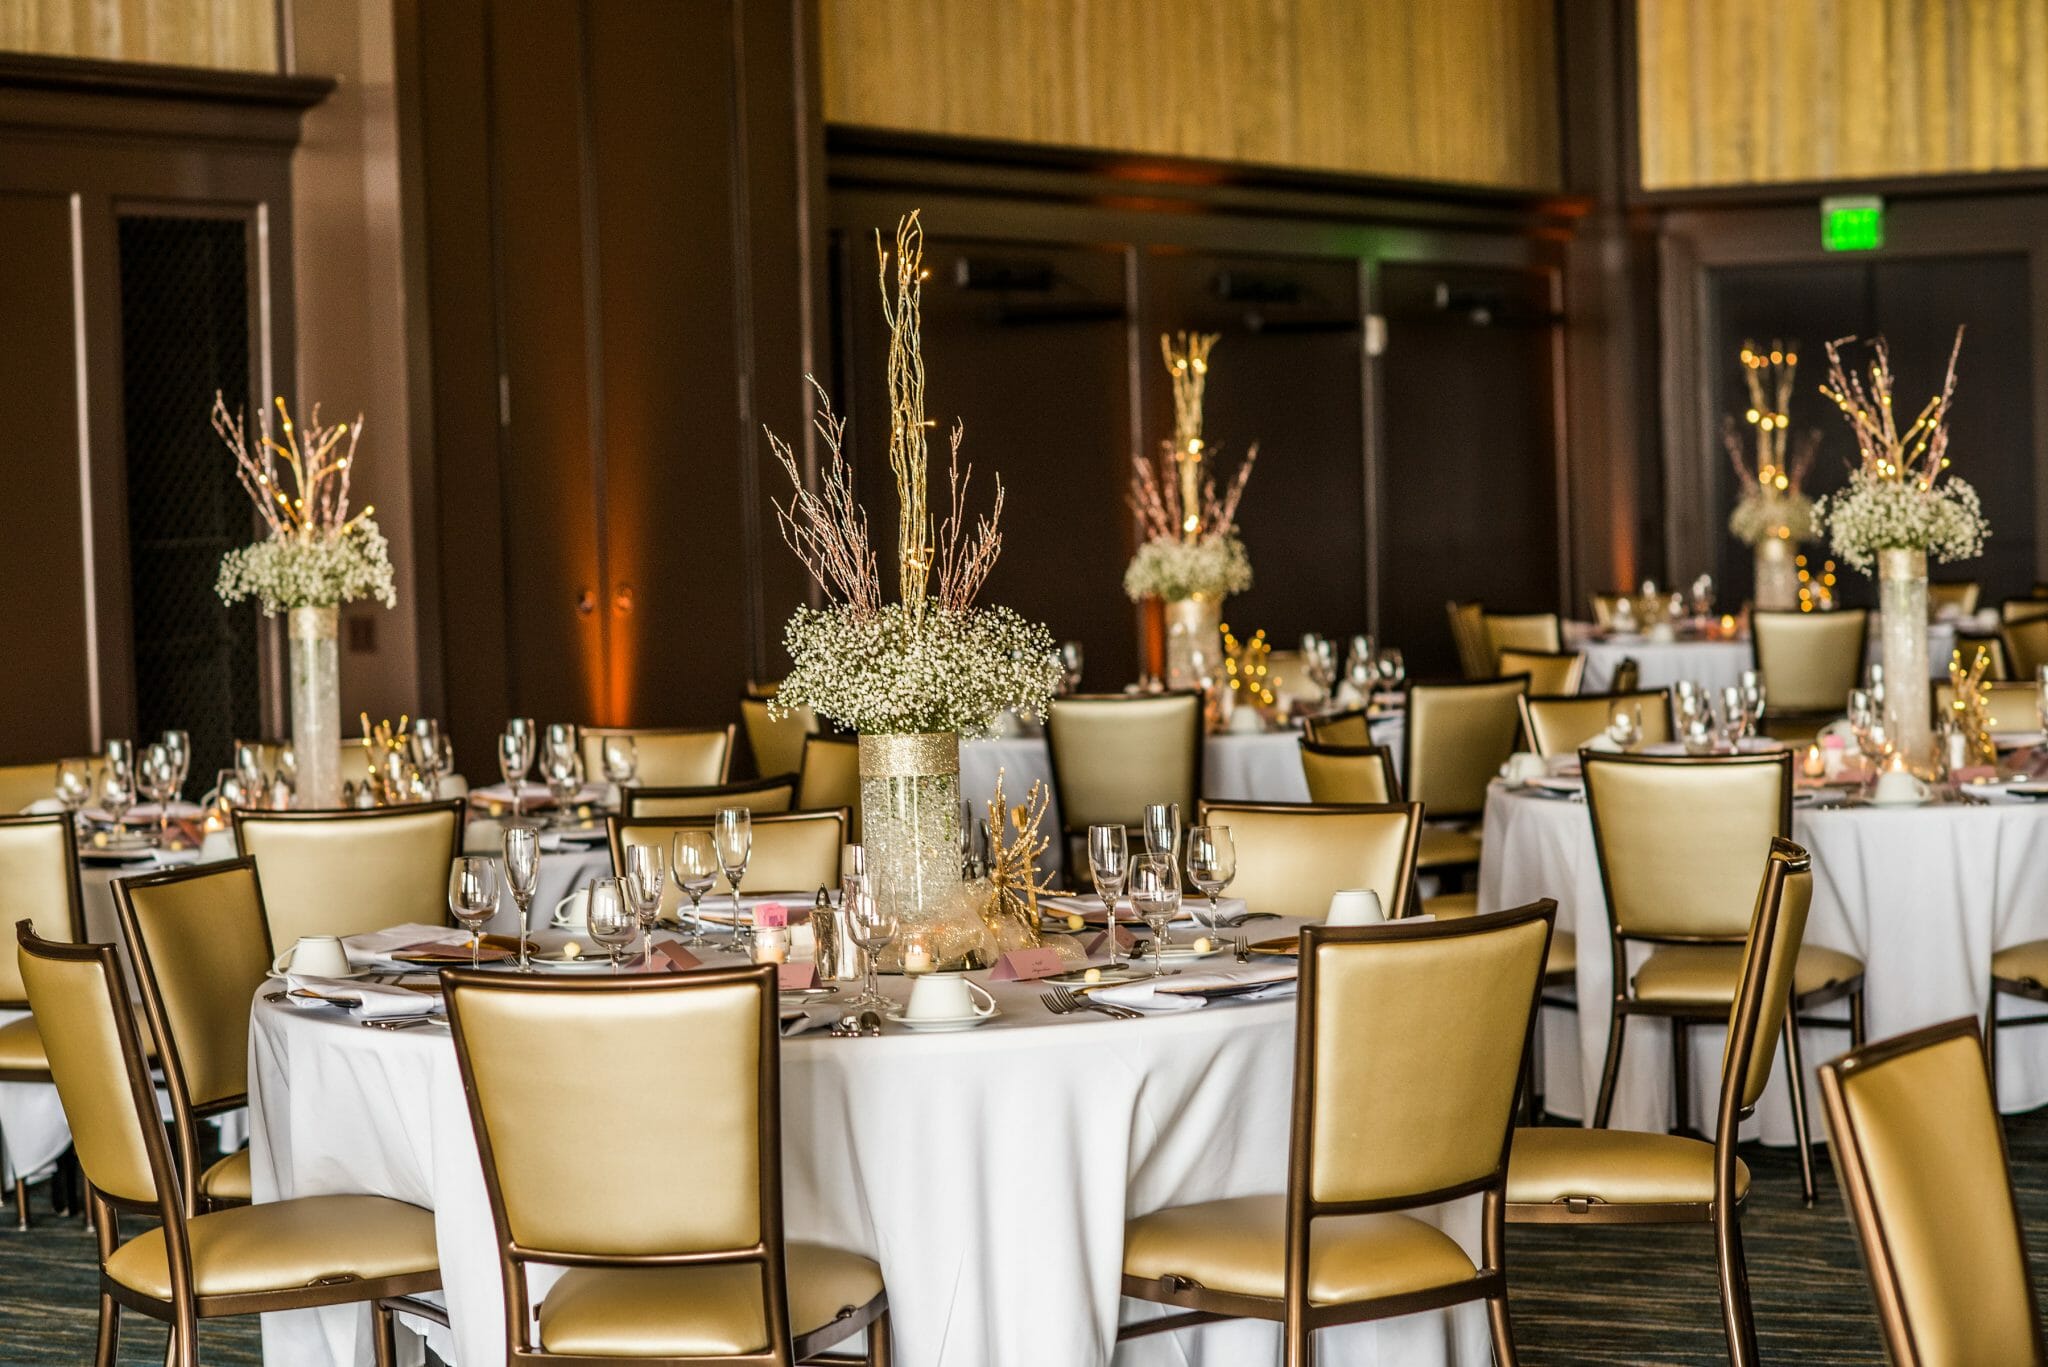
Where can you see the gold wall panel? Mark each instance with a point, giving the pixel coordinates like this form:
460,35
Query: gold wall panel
1443,90
1747,91
237,35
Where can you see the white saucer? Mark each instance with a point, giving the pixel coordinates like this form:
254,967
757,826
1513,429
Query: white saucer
939,1025
1183,950
347,977
584,963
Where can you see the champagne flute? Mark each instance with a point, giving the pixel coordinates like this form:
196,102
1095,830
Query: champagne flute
733,832
1212,864
1109,863
473,898
1155,894
1162,833
157,776
696,872
612,921
512,764
520,848
646,871
873,928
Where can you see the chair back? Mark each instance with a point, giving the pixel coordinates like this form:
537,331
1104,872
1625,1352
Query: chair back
2013,706
345,873
1561,725
830,776
1112,754
1349,773
667,757
795,853
1968,643
97,1062
1549,672
1458,736
1770,957
1291,857
22,784
1678,837
774,794
1921,1154
777,743
1603,607
1468,634
540,1095
1409,1041
1809,660
1538,633
1353,727
2021,609
39,884
2026,642
1958,596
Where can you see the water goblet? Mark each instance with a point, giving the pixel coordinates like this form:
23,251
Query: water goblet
116,788
1155,895
563,771
473,898
1109,864
733,833
612,921
1212,864
873,927
695,865
646,871
179,744
74,786
620,759
519,847
157,776
1625,725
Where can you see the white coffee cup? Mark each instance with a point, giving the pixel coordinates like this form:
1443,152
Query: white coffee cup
1897,788
574,910
1355,907
1523,766
947,996
315,956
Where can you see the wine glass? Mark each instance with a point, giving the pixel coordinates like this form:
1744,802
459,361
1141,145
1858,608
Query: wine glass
1753,697
1070,666
473,898
249,769
1625,726
695,862
620,759
520,849
562,739
873,928
117,785
423,747
1155,895
2041,694
74,786
1392,669
563,770
1212,864
612,920
515,755
156,775
287,764
1361,668
1109,863
179,744
646,871
733,833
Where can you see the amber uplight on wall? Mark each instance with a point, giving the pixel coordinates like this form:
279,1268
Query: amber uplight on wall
1440,90
1754,91
235,35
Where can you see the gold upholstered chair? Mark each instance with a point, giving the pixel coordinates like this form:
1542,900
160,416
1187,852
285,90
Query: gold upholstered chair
1551,672
658,1272
777,743
666,756
1468,634
2023,609
1959,596
1968,643
2026,644
1604,605
38,883
1352,727
2012,706
1561,725
830,776
795,853
1921,1156
1574,1176
22,784
1677,838
1409,1040
201,948
1458,736
1113,754
1292,856
774,794
1809,662
1540,633
281,1255
346,873
1349,773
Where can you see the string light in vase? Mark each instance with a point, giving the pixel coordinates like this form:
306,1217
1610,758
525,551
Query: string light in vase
1245,663
1816,593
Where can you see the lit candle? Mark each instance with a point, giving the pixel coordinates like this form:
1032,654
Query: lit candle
1728,626
916,959
1816,762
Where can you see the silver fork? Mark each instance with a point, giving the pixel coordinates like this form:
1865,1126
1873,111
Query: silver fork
1062,1002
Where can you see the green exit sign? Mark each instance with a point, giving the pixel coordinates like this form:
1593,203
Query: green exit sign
1852,223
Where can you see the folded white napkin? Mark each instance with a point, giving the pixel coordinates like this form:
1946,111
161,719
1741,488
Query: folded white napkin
373,949
797,1021
365,1001
1191,906
43,806
1182,992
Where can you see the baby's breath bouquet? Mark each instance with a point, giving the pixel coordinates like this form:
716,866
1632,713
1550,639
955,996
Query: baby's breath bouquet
1171,569
1189,546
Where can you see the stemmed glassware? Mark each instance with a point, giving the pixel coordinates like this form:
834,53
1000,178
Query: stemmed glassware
1109,863
520,848
1361,667
1070,666
1319,662
646,871
179,746
515,755
1392,669
74,786
473,898
1625,726
733,832
1155,894
1162,833
612,919
1212,864
117,782
620,759
1754,698
873,928
2041,695
157,776
1732,716
695,862
563,770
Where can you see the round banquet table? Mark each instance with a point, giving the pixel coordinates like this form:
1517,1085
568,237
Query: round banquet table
989,1173
1719,664
1923,895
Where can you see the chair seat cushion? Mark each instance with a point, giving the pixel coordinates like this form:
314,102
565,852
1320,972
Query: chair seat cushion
1708,974
1563,959
2027,963
1443,846
1617,1167
1238,1246
21,1047
1451,906
228,1179
698,1311
283,1245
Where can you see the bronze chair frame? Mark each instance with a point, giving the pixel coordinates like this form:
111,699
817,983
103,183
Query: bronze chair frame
75,921
743,788
1796,717
730,731
1385,754
1317,721
1403,901
1069,832
1683,1015
766,1253
186,1307
1724,1212
1854,1173
1408,732
2027,990
1299,1320
185,1116
1538,655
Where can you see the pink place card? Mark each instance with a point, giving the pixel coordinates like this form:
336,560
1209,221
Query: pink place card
1023,965
1100,944
673,958
770,915
1972,773
796,977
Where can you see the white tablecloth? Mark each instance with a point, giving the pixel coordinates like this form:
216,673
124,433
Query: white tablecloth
1718,664
1922,895
989,1173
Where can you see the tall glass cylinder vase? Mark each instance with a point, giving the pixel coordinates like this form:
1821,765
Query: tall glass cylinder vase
1777,575
316,704
910,826
1193,625
1902,610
